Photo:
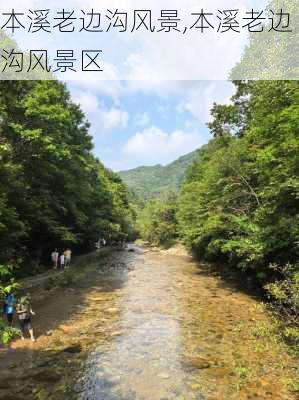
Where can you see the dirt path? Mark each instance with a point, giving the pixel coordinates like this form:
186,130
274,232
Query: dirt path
147,326
38,280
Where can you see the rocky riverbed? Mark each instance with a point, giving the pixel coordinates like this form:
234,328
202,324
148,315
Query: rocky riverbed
147,325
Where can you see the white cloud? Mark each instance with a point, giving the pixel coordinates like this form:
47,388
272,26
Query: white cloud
101,117
192,56
146,56
194,97
87,101
199,101
152,146
113,118
142,119
111,88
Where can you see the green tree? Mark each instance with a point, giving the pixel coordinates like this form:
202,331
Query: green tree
239,203
54,192
156,222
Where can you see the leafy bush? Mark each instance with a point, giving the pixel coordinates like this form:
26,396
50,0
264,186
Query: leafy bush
284,296
7,333
239,204
7,284
157,223
285,292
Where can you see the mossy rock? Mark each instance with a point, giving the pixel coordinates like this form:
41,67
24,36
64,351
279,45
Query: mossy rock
47,375
75,349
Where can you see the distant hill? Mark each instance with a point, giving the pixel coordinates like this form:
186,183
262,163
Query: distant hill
148,182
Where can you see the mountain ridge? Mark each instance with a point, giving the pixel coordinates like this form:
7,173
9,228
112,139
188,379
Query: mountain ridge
150,181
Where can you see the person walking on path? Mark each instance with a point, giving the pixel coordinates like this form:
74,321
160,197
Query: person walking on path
62,261
9,307
68,256
54,257
25,312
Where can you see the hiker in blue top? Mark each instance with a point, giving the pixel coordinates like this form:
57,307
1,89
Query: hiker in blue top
9,307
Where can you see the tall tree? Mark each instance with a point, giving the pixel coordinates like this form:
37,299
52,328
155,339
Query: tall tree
240,201
54,192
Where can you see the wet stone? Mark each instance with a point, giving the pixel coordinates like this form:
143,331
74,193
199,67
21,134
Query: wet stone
219,372
48,376
112,310
73,349
46,363
12,366
10,396
117,333
193,363
5,385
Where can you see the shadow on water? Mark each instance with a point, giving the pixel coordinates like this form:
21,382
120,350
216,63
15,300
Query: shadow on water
48,368
145,326
232,280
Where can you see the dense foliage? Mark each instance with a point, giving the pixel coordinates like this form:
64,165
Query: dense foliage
150,182
239,203
260,61
156,222
53,191
238,207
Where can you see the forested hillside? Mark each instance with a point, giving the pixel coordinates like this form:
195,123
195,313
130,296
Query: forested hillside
238,207
239,202
53,191
149,182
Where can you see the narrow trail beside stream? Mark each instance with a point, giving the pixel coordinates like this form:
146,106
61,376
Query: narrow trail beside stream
146,325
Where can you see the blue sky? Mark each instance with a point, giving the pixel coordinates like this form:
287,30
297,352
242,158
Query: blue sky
146,123
148,105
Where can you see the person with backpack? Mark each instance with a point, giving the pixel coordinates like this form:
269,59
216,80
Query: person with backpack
25,312
9,307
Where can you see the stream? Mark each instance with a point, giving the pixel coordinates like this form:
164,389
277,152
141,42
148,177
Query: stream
177,336
152,325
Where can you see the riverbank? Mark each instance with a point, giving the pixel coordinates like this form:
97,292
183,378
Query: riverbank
60,301
147,325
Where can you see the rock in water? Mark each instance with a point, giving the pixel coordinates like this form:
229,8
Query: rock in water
47,375
191,363
112,310
117,333
73,349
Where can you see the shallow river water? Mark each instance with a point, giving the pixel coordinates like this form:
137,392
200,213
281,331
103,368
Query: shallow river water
178,336
147,325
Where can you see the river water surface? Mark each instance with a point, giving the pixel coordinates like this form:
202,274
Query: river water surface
181,334
147,325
